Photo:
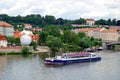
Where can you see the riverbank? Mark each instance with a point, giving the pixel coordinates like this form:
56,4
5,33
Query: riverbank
10,53
15,50
11,49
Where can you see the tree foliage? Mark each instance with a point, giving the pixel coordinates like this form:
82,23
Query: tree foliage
70,38
52,30
81,34
34,44
79,21
118,23
85,42
12,40
106,22
54,43
42,37
49,19
60,21
25,50
17,41
68,41
41,21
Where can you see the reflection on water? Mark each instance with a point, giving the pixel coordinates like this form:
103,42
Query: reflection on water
32,68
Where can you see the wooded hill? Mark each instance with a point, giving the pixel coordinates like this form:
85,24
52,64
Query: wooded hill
41,21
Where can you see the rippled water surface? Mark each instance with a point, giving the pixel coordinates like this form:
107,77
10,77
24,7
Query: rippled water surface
32,68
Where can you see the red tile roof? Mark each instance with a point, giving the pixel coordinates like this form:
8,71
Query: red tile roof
114,27
36,29
26,25
88,29
35,37
110,31
84,29
90,19
2,37
16,33
4,24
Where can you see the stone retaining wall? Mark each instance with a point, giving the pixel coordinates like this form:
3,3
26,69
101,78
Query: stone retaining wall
10,49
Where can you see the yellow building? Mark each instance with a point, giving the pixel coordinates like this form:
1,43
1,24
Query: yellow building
109,35
92,32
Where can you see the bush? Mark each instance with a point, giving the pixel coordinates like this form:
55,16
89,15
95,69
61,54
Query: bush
34,44
25,50
14,53
10,53
2,53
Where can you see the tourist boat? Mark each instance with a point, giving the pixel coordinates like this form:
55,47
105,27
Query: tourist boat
67,58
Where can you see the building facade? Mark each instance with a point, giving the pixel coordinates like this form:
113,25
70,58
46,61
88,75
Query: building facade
34,37
92,32
6,29
17,33
109,35
3,41
90,21
27,26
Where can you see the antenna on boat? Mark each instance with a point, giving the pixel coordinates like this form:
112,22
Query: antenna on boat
49,55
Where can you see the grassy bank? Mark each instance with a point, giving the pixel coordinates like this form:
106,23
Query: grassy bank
25,50
13,53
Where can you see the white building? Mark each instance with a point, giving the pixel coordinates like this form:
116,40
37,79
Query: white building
90,21
6,29
24,32
3,41
27,26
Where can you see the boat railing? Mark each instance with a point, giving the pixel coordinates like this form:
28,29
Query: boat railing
74,55
80,54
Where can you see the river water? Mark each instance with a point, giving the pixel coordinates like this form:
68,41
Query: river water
16,67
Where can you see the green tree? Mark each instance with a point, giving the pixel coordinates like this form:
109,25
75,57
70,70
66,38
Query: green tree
70,38
101,22
42,37
4,17
35,46
49,19
25,50
67,24
114,22
11,40
52,30
118,22
17,41
81,34
54,43
85,42
70,41
79,21
109,22
60,21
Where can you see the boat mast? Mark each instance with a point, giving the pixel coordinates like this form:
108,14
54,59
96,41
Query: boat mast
90,55
49,55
